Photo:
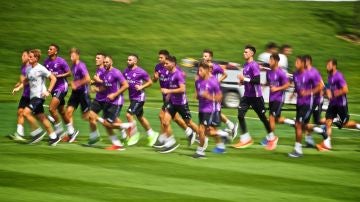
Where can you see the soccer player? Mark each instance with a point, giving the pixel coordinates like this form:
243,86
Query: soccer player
162,74
177,103
138,80
220,74
278,81
209,96
338,107
79,95
57,66
35,77
250,78
25,98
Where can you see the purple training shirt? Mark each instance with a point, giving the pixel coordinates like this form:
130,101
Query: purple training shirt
302,81
276,78
136,76
79,71
212,86
176,79
337,81
26,91
251,70
56,67
113,80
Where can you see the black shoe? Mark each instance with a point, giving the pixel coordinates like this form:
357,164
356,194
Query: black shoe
37,138
338,124
191,139
53,142
198,156
158,144
73,136
166,150
294,154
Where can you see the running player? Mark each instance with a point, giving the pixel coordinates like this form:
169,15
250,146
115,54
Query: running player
79,95
138,80
250,78
57,66
25,98
35,77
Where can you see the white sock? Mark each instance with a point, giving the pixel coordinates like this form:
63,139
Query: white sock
230,124
123,134
58,126
289,121
222,133
94,134
36,131
270,136
162,138
200,150
327,142
70,128
170,141
20,129
188,131
115,141
53,135
298,148
220,145
206,143
100,119
150,132
318,130
336,119
245,137
309,138
51,119
126,125
358,126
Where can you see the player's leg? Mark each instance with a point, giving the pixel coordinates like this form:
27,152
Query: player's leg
95,108
184,112
53,109
170,141
233,128
200,150
111,112
245,138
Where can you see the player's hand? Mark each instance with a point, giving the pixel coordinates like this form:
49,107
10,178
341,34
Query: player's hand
156,76
94,89
337,93
241,78
15,90
205,94
165,91
74,85
138,87
274,89
305,92
112,96
97,79
45,94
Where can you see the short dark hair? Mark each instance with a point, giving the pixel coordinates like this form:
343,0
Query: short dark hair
134,55
301,58
275,56
164,52
205,65
109,56
308,57
101,53
75,50
285,46
26,50
251,47
333,61
208,51
271,45
56,46
171,58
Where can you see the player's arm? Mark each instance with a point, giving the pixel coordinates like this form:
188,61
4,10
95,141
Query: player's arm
145,85
342,91
155,77
222,77
280,88
252,80
19,85
52,79
181,89
84,81
66,74
124,86
217,97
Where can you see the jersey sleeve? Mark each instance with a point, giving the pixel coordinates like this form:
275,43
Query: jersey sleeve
145,76
341,80
255,70
65,66
44,72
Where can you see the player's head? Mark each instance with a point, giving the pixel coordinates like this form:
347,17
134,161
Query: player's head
108,62
99,59
300,62
34,56
308,60
286,49
25,56
331,65
132,60
249,51
170,62
53,50
74,54
162,55
271,47
207,55
274,60
204,69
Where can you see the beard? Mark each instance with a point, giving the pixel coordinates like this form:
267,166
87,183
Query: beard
330,71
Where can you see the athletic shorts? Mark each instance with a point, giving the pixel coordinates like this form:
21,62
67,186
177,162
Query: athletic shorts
36,105
136,108
257,103
111,112
303,113
275,108
183,110
59,95
24,101
317,109
80,97
210,119
341,112
97,106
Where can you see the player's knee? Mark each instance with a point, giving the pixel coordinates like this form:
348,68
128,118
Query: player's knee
20,112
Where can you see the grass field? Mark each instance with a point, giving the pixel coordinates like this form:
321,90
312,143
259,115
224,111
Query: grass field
71,172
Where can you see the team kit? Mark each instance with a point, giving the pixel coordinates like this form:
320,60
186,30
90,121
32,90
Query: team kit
109,83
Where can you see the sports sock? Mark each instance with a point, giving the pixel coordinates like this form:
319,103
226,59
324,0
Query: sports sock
230,124
327,142
126,125
222,133
270,136
58,126
220,145
245,137
200,150
298,148
94,134
206,143
150,132
318,130
170,141
162,138
309,139
188,131
115,141
70,128
36,131
100,119
123,134
52,135
289,121
20,129
358,126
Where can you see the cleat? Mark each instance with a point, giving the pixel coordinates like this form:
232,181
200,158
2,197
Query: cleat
191,138
133,139
53,142
158,144
65,138
166,150
294,154
235,131
309,144
115,148
272,144
73,136
37,138
94,140
264,142
218,150
322,147
241,145
198,156
338,124
16,137
152,139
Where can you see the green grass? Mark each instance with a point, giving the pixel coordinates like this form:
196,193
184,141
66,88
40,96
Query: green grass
70,172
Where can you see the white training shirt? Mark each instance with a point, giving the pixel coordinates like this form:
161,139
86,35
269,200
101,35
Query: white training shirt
36,76
264,57
283,63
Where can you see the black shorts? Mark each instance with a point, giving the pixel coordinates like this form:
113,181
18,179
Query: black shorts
97,106
111,112
341,112
81,98
136,108
36,105
183,110
210,119
317,109
303,113
257,103
59,95
24,101
275,108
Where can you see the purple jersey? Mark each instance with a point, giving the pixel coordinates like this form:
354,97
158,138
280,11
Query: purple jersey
56,67
113,80
251,70
136,76
26,91
315,76
164,76
276,78
212,87
217,71
176,79
101,95
79,71
302,82
337,81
